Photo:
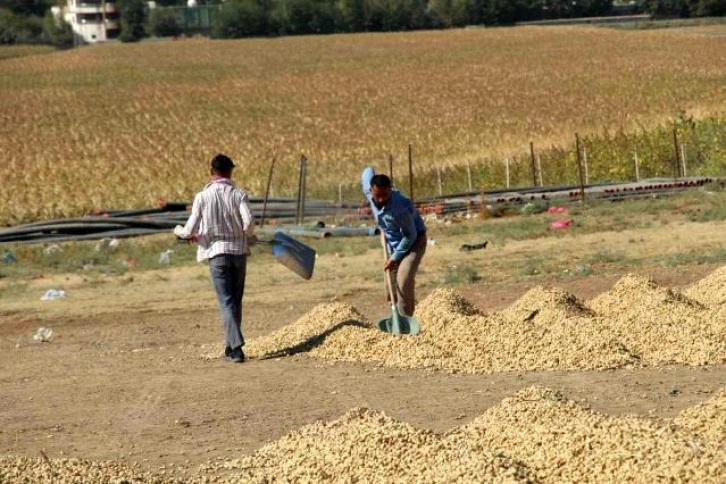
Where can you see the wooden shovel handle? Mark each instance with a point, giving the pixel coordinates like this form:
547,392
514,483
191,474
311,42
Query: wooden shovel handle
388,274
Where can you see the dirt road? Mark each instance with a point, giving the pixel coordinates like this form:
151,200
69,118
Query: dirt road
123,378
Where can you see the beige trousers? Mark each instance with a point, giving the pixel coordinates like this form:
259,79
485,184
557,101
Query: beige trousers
405,277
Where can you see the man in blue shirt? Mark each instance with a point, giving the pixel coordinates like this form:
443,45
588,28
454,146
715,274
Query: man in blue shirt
405,234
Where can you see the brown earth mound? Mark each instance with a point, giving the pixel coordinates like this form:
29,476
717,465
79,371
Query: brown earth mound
534,436
661,325
637,322
711,290
634,293
564,442
24,470
476,343
368,446
546,306
707,419
307,332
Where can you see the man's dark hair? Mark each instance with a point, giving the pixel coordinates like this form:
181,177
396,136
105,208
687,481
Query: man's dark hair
222,163
380,181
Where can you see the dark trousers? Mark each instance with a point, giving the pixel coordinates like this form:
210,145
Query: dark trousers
228,273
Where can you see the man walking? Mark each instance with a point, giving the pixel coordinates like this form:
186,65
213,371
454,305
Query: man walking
222,224
405,234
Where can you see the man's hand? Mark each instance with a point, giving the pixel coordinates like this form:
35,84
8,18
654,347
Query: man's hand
181,236
252,240
391,265
179,232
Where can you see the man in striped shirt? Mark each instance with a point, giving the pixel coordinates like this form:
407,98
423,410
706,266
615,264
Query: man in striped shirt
222,225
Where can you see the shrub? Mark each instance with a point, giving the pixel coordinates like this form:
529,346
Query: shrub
57,32
239,18
17,29
164,23
133,19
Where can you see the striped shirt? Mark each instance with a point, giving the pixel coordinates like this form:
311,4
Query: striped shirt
220,221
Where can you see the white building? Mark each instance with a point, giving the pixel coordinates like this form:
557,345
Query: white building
92,20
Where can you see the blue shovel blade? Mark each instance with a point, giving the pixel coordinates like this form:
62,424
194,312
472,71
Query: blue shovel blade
294,255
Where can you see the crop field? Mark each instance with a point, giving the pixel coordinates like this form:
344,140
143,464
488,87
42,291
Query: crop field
122,126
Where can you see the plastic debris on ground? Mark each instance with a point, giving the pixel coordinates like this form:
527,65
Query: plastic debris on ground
53,249
165,257
52,294
555,209
106,244
43,335
470,247
561,224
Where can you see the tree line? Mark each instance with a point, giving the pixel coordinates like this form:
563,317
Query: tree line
253,18
30,21
246,18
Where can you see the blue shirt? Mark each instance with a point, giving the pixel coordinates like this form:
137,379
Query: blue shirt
398,219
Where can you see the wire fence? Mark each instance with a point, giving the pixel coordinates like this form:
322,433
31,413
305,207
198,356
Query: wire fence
591,170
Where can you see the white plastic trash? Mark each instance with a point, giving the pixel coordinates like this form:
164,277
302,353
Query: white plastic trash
165,257
53,249
106,244
43,334
51,294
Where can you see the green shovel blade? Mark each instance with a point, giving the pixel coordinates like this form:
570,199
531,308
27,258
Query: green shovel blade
399,324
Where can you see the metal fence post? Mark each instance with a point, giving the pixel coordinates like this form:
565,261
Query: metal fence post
506,170
636,163
539,171
534,169
267,192
677,161
300,209
579,167
390,168
410,172
438,175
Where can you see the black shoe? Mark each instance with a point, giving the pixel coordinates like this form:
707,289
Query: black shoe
236,355
227,351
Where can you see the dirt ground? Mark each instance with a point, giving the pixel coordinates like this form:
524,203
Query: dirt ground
123,379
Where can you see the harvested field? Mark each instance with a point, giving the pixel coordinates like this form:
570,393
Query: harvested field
636,323
536,435
344,100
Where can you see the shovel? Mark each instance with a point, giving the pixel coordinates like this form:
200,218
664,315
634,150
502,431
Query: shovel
397,324
291,253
